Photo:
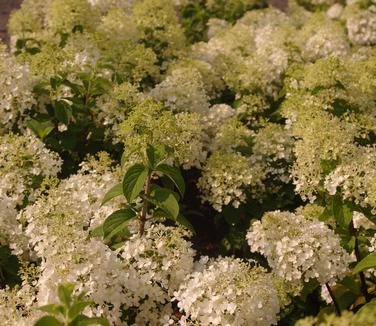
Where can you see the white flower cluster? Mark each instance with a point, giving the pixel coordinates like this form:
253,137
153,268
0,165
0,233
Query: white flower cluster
115,106
260,70
137,280
252,109
93,267
183,90
361,221
24,162
69,208
252,54
17,306
298,248
64,15
228,291
271,45
321,37
106,5
321,137
183,132
140,277
15,89
273,151
361,23
225,177
162,259
215,117
355,177
28,22
230,135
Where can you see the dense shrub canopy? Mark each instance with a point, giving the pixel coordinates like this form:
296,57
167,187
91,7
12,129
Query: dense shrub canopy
183,162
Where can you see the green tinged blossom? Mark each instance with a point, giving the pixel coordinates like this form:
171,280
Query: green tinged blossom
150,123
65,15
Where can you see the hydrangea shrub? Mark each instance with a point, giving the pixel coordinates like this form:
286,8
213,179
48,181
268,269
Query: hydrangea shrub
181,162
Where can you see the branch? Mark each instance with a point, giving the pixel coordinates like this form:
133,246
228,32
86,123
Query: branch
336,305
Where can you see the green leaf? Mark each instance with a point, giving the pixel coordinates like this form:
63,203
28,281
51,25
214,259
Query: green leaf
65,292
185,222
134,181
350,284
308,288
346,216
61,112
342,213
77,308
328,166
97,232
117,221
42,130
55,82
54,309
150,155
366,263
119,244
115,191
326,214
369,307
48,321
155,154
345,298
20,43
166,201
174,174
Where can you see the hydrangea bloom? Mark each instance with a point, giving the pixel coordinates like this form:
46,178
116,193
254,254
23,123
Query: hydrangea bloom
183,90
211,81
70,207
361,22
355,176
158,22
229,291
321,37
298,248
315,149
16,91
24,162
29,20
64,15
114,107
215,118
162,259
182,132
273,151
17,306
252,109
225,177
230,135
